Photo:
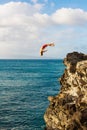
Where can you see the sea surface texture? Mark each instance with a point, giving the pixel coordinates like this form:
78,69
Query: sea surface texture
24,88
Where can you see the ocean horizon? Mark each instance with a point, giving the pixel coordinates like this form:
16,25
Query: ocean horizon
25,85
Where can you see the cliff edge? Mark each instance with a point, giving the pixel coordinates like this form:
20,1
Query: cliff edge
68,109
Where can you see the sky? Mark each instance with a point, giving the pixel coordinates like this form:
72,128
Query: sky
25,25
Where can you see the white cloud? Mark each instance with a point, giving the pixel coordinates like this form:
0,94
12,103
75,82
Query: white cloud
18,29
70,16
42,19
23,28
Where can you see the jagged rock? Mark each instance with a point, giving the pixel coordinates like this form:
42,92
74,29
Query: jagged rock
68,109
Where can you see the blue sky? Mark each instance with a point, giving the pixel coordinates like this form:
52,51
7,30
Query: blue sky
26,25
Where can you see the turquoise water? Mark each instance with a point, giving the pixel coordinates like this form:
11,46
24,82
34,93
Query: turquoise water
24,88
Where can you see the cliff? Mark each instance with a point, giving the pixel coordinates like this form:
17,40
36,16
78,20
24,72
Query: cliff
68,109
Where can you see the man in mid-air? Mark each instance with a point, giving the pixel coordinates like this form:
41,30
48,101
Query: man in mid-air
42,49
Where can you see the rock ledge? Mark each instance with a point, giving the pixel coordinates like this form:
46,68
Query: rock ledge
68,109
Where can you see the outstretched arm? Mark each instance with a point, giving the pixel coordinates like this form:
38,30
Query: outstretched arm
51,44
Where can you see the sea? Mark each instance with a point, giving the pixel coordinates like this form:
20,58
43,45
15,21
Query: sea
24,89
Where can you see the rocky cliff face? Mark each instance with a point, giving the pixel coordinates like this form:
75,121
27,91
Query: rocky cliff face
68,110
